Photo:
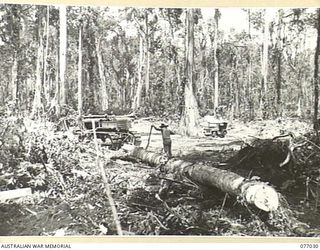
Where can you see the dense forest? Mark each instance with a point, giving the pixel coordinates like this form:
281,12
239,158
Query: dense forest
84,88
94,59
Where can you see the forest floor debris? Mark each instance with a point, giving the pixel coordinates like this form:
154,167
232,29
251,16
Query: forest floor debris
68,197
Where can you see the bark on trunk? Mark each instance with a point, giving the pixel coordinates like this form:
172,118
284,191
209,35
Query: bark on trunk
37,102
92,77
265,52
264,66
147,53
203,74
15,70
279,59
316,74
80,72
14,74
57,93
46,86
253,192
216,69
190,114
249,86
231,94
103,86
63,48
137,98
237,97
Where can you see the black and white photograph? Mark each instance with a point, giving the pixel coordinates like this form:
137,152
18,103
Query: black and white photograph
132,121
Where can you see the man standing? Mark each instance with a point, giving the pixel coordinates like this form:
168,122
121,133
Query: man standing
165,138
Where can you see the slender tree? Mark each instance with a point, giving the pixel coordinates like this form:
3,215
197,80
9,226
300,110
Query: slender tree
216,65
37,102
190,113
62,53
264,66
279,63
15,33
80,70
137,98
103,82
316,73
143,24
249,86
45,57
147,53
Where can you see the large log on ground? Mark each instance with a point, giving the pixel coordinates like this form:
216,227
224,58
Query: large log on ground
250,191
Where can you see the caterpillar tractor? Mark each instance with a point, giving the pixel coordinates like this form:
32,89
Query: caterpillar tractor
113,130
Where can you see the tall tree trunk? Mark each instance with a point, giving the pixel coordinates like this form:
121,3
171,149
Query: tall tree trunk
57,102
92,78
215,63
144,61
103,86
147,55
45,61
37,103
231,94
190,113
249,86
126,92
176,66
237,94
131,93
264,67
301,94
80,71
14,76
63,49
137,98
15,29
265,51
203,73
279,58
302,100
316,74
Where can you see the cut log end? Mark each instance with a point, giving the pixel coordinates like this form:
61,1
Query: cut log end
14,194
262,196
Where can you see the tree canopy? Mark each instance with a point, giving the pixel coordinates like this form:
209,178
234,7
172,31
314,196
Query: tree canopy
136,60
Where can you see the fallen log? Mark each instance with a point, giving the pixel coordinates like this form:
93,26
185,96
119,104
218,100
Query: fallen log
250,191
16,193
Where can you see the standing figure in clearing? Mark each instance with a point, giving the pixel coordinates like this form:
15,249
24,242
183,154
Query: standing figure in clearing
166,138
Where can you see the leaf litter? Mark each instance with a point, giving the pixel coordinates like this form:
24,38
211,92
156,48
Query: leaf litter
69,199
